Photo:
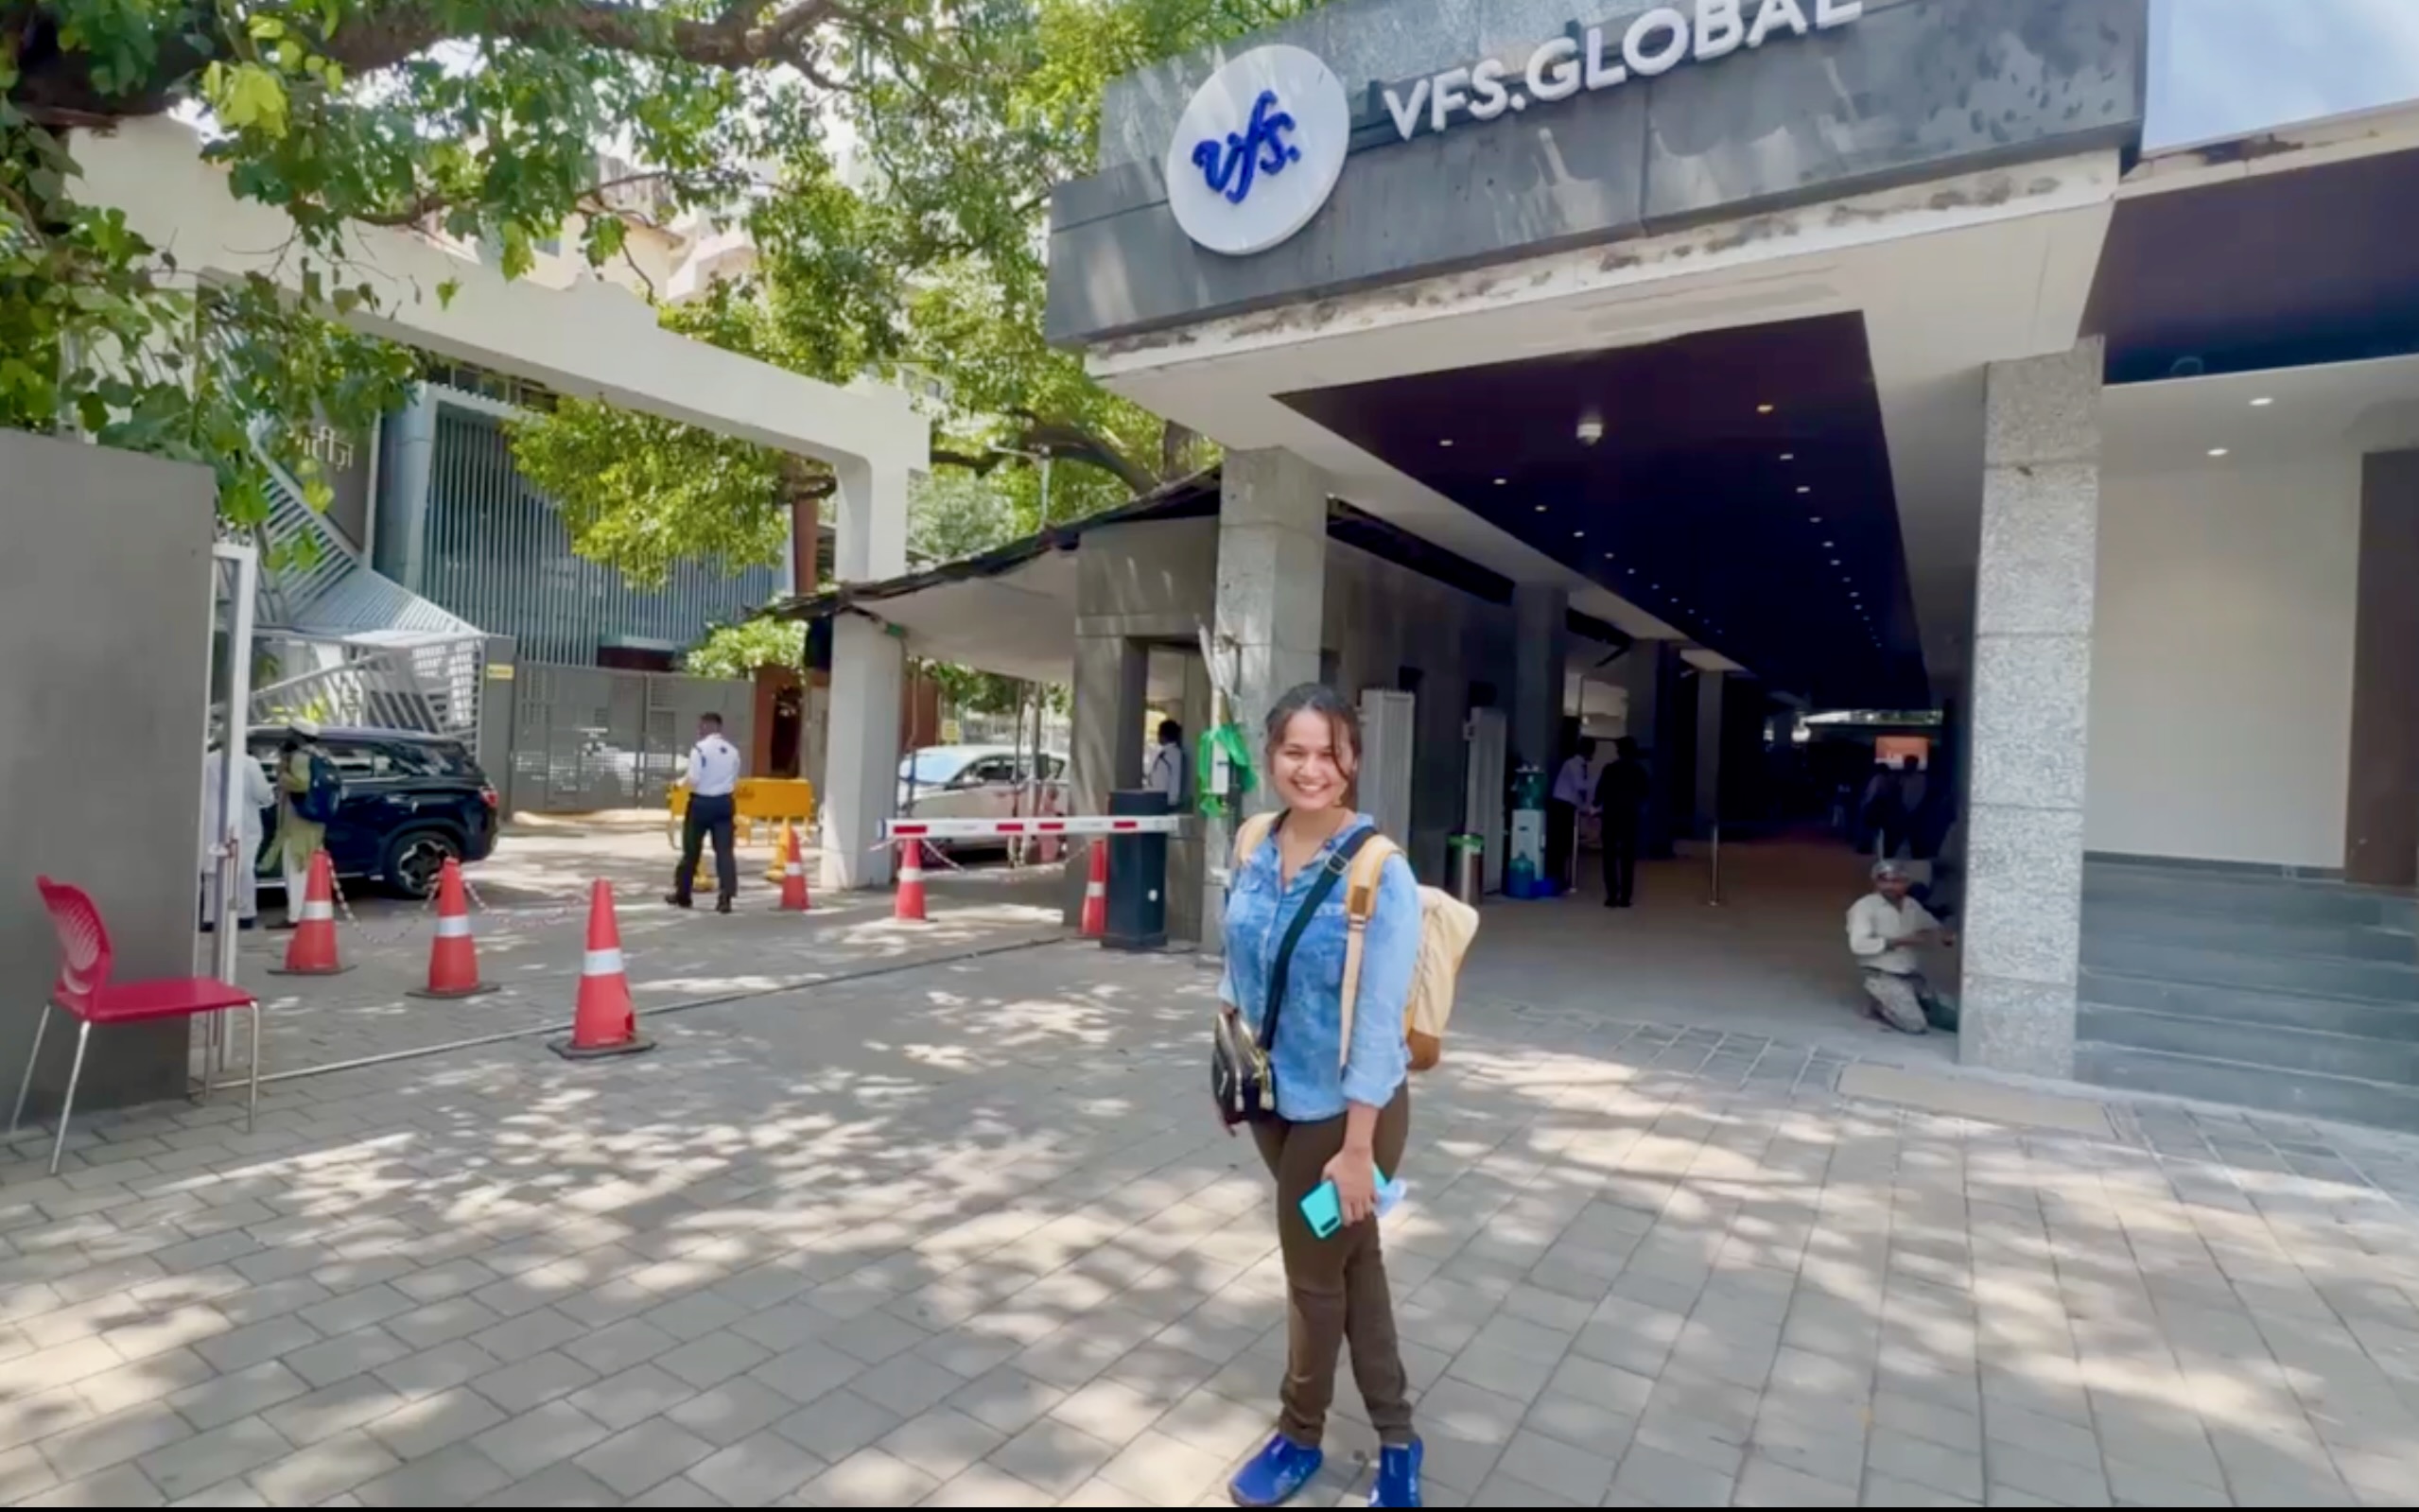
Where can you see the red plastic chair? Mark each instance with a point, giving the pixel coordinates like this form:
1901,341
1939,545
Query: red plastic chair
85,993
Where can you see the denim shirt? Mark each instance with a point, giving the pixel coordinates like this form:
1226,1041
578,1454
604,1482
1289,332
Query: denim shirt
1311,1082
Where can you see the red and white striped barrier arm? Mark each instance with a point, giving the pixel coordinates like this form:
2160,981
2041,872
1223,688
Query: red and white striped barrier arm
899,829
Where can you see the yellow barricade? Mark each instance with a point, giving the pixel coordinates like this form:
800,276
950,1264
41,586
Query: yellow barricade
765,801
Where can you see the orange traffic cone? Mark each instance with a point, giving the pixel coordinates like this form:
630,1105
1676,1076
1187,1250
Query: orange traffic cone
911,882
606,1021
453,956
312,952
793,873
1096,892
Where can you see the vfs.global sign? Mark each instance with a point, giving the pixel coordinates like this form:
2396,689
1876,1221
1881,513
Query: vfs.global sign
1261,145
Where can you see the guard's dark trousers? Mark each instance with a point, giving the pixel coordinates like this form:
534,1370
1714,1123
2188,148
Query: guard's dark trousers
708,816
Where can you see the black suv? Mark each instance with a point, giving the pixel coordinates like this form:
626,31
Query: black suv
410,801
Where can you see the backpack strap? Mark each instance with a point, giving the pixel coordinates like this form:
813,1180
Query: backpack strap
1253,833
1360,904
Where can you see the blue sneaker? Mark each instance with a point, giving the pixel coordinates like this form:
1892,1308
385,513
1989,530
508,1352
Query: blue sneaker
1398,1481
1276,1474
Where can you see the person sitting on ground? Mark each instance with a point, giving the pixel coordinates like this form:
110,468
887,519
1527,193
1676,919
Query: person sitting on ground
1884,929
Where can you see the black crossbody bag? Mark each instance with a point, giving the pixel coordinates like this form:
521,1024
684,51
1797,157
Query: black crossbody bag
1241,1080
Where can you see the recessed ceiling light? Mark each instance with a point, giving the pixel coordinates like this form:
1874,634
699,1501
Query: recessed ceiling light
1806,488
1834,562
1788,457
1444,441
1763,409
1633,572
2262,402
1578,535
2217,451
1541,509
1826,546
1501,481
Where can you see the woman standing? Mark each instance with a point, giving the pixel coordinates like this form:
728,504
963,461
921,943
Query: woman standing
1341,1107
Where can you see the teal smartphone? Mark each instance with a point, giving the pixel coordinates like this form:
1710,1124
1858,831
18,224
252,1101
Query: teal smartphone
1324,1211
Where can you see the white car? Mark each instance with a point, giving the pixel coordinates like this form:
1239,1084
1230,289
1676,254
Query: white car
976,782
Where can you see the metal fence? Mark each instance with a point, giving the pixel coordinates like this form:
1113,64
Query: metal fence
591,737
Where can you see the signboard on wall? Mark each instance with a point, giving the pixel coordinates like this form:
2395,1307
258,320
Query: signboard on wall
348,465
1260,147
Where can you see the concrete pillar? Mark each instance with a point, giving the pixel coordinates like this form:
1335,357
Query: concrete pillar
1541,630
1112,683
407,452
1272,575
1272,606
2032,663
497,719
1186,857
869,538
1650,676
868,679
1711,687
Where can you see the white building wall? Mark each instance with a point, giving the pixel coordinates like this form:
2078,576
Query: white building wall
2221,662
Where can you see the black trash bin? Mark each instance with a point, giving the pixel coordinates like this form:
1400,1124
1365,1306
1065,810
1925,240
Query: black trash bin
1138,877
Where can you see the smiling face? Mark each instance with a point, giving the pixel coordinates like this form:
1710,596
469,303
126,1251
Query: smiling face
1311,762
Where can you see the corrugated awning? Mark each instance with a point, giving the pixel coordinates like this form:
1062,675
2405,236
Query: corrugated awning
1010,609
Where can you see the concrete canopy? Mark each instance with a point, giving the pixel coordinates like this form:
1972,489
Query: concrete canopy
591,340
1940,170
1947,277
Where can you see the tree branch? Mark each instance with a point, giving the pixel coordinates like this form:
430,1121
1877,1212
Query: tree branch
1072,442
741,38
56,86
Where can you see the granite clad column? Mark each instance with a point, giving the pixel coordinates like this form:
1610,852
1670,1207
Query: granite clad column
1272,605
2032,663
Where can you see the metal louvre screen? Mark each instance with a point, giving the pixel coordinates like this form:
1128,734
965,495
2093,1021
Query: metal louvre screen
497,555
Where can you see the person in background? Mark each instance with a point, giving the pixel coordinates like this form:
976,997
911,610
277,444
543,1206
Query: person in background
305,776
1166,773
1878,810
1623,790
1343,1102
713,776
255,795
1884,929
1562,806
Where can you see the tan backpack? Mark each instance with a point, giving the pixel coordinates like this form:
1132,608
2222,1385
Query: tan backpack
1447,926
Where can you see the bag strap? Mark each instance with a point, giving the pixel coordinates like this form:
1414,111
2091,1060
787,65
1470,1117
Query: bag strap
1339,862
1253,833
1360,905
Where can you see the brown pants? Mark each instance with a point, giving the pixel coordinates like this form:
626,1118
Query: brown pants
1335,1286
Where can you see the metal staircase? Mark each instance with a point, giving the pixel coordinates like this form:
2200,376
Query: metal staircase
358,648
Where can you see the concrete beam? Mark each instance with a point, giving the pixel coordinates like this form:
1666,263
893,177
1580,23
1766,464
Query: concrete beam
592,340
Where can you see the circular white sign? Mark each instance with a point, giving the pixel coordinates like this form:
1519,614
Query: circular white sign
1259,150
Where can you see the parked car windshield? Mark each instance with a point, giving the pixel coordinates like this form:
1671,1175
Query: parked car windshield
932,767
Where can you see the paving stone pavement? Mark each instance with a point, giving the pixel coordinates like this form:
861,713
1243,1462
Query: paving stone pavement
532,954
965,1236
